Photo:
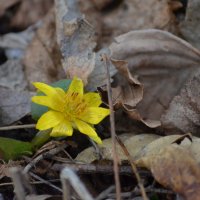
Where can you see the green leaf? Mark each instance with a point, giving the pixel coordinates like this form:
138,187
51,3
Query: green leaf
11,149
38,110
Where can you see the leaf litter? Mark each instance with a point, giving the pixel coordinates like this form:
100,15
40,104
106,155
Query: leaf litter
155,79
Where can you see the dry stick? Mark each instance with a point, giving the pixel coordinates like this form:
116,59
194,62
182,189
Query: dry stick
31,182
69,178
20,183
7,128
98,168
48,154
45,181
112,124
144,195
137,192
105,193
19,189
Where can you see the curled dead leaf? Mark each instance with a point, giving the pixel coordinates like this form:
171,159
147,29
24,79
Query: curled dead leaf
76,38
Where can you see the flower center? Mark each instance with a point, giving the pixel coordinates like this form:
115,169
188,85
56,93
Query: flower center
74,105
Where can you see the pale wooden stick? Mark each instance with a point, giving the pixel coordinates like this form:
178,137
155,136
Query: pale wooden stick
7,128
69,178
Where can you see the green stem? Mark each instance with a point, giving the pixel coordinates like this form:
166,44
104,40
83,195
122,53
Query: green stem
40,139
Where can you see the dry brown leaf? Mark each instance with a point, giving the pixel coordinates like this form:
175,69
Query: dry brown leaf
29,12
129,93
155,146
42,58
124,16
190,27
76,38
161,60
6,4
12,75
133,143
18,40
4,168
101,4
183,112
193,146
175,167
12,100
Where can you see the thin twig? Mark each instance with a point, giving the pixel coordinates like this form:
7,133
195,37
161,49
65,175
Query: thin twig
105,193
7,128
48,154
31,182
112,124
98,168
45,182
137,192
144,195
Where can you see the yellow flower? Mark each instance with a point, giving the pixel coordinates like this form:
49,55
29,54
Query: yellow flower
70,109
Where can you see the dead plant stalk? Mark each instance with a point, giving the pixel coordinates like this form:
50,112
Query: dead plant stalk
113,133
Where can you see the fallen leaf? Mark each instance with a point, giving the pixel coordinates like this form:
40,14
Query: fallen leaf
194,148
4,168
129,93
175,168
42,58
76,38
160,60
133,143
157,145
13,105
118,18
15,44
102,4
29,12
12,75
183,112
126,95
190,27
12,149
6,4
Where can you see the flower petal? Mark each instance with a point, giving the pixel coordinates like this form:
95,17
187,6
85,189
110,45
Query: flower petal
76,86
46,89
50,102
62,129
92,99
61,92
88,130
49,119
94,115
